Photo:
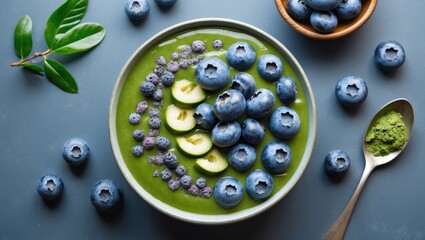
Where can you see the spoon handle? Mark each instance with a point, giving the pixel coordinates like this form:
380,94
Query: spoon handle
336,232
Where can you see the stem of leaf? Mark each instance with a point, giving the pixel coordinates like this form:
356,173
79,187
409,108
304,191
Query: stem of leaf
36,55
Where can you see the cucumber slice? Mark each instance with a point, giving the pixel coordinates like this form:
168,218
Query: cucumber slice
179,120
212,164
187,94
195,145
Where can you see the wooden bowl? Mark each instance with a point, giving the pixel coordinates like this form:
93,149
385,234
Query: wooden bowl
344,27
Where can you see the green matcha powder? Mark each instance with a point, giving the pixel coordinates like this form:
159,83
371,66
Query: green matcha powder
388,135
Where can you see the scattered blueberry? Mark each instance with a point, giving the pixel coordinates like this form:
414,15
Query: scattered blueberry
162,143
186,181
180,170
105,195
276,157
241,157
184,63
286,89
154,122
201,182
204,116
134,118
141,107
186,51
260,103
173,66
198,46
137,150
226,134
165,3
148,143
284,123
171,160
259,184
241,55
153,78
155,173
174,184
337,163
161,61
323,5
270,67
298,9
147,89
137,9
76,152
244,83
212,74
158,70
228,192
153,132
50,187
205,192
193,189
138,135
166,174
389,55
175,56
167,78
158,95
229,105
323,22
154,112
252,131
351,91
348,9
217,44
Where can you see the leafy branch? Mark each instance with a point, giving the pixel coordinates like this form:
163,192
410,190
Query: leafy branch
64,34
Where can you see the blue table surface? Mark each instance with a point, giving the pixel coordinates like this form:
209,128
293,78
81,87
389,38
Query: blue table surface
36,119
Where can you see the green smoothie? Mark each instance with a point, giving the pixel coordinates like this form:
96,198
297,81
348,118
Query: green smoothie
130,96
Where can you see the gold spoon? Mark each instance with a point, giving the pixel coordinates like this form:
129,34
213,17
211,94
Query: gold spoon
402,106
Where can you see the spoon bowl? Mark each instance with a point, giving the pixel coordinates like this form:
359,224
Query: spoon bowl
402,106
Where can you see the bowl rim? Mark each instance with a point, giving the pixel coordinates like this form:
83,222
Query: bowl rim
206,218
324,36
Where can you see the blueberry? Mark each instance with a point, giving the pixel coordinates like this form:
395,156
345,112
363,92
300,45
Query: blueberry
162,143
154,122
158,95
173,66
171,160
242,156
217,44
50,187
252,131
198,46
148,143
174,184
212,74
284,123
337,163
166,174
141,107
153,132
348,9
180,170
134,118
184,63
201,182
244,83
260,103
276,157
229,105
147,89
193,189
298,9
286,89
175,56
241,55
138,135
186,51
158,70
389,55
105,195
76,152
137,150
204,116
226,134
154,112
259,184
351,91
323,5
161,61
186,181
137,9
153,78
270,67
165,3
205,192
167,78
323,22
228,192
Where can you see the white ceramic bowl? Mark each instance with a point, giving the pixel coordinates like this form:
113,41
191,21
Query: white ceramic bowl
208,218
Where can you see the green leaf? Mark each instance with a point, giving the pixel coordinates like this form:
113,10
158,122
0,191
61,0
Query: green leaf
80,38
67,16
23,37
59,75
32,67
